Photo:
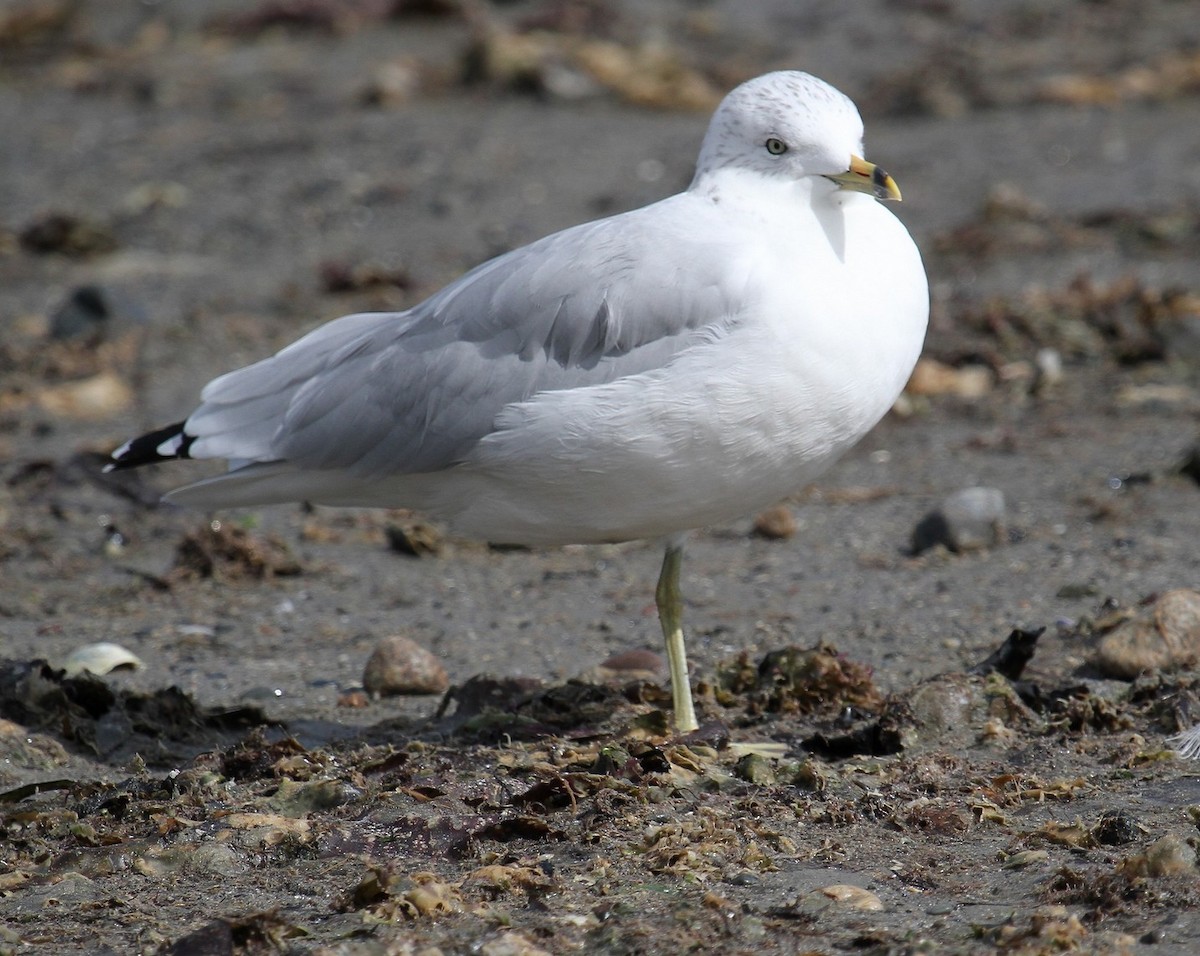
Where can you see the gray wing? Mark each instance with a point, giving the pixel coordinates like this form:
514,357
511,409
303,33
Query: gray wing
414,391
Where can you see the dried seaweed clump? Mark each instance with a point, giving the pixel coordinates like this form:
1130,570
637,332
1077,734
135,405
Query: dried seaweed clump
1126,320
221,550
796,680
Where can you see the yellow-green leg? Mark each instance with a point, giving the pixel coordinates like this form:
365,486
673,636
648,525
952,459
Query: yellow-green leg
670,615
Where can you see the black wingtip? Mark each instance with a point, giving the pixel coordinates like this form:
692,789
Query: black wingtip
145,449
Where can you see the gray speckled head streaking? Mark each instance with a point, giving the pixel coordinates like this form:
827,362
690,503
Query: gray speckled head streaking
819,125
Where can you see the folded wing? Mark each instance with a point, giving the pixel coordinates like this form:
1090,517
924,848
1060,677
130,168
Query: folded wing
385,393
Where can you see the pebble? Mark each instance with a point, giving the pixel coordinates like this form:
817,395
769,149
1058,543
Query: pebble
1169,856
1164,636
969,519
354,698
931,377
414,538
777,523
395,82
626,667
1049,367
300,798
399,665
855,897
93,313
756,769
948,712
90,399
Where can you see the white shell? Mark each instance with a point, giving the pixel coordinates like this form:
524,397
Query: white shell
101,658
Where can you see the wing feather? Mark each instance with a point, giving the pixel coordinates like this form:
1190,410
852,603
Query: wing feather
409,392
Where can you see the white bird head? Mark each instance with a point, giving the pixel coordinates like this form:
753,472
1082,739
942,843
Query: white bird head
789,125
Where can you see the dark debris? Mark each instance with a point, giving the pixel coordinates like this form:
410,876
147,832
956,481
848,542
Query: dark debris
87,712
224,551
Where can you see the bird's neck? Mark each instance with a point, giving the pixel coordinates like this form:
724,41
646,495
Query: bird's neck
734,189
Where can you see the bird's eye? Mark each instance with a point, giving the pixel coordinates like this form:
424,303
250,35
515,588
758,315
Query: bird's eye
776,146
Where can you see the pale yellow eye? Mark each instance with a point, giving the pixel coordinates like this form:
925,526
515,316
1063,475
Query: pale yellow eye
776,146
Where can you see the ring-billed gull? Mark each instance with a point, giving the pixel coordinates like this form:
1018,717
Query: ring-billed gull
636,377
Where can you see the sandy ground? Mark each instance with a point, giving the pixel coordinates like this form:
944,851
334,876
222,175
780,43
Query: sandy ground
228,176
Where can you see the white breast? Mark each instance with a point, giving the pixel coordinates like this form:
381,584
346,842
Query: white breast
729,426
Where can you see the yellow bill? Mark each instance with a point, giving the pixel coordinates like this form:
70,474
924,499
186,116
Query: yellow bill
864,177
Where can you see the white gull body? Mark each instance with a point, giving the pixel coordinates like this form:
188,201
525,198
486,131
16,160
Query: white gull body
636,377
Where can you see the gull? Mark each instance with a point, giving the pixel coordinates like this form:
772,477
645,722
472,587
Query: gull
637,377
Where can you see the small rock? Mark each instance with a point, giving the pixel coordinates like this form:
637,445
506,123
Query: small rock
93,313
636,661
777,523
401,666
756,769
90,399
213,859
970,518
948,711
1164,636
395,82
811,775
1169,856
300,798
1049,368
627,667
414,538
355,697
931,377
854,897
